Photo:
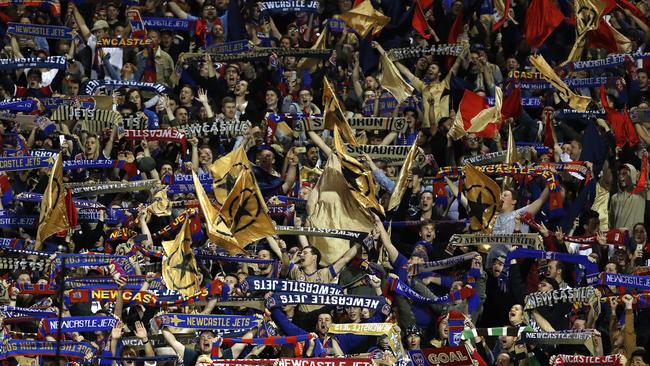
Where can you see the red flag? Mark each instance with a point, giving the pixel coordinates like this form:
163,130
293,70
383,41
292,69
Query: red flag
512,104
549,136
542,18
608,38
504,17
471,105
621,123
643,175
602,37
419,22
70,208
454,32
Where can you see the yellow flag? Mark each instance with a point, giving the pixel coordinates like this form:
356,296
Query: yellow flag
512,156
334,114
624,43
482,195
364,18
588,13
218,232
392,80
333,205
245,212
53,216
161,205
179,267
402,181
576,102
225,172
359,178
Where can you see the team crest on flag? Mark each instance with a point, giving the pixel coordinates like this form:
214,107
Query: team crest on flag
483,198
245,212
225,172
179,267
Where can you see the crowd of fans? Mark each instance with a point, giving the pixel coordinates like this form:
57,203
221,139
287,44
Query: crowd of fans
196,87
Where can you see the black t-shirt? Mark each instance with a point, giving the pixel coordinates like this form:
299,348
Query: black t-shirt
190,356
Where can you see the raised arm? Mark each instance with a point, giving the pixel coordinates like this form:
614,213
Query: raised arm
79,19
392,252
109,145
177,10
534,207
316,139
347,257
173,342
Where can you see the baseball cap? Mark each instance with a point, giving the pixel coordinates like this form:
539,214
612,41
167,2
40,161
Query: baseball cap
100,24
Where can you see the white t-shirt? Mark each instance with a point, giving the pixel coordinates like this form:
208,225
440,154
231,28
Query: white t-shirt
115,52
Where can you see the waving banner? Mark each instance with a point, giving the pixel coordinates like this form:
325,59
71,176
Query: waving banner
397,54
93,85
316,123
282,299
220,127
14,347
52,62
255,283
200,321
288,6
46,31
167,23
527,240
550,298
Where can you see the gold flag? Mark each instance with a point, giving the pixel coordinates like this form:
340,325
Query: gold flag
334,114
576,102
225,172
588,13
359,178
245,212
53,216
512,156
161,205
364,18
392,80
218,232
179,267
601,205
333,205
483,196
624,43
402,181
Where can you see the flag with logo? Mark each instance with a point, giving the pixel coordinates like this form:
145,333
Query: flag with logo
179,268
225,172
245,212
53,216
482,195
476,116
218,232
588,13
